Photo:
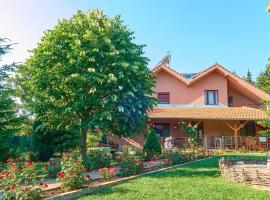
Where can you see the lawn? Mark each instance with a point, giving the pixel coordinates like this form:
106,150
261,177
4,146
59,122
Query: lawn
199,180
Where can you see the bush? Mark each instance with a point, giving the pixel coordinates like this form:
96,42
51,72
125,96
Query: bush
94,138
176,158
18,180
41,141
53,168
107,173
97,158
73,174
4,147
28,155
151,147
129,166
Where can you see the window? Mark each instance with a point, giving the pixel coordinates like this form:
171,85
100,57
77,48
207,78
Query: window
230,101
164,97
211,97
162,130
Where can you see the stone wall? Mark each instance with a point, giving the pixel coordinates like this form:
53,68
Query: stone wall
249,171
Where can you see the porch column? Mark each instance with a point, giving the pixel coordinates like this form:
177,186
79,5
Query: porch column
235,129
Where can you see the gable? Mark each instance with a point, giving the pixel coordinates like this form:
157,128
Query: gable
247,89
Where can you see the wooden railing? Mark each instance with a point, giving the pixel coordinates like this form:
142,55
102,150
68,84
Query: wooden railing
224,142
228,142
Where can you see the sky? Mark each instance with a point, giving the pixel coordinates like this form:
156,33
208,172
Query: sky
197,33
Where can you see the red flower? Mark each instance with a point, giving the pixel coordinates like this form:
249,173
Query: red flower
45,185
112,171
28,163
20,168
12,187
71,173
1,177
85,169
41,183
61,174
9,160
88,176
26,190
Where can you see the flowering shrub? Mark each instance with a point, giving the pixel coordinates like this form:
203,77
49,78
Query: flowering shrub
107,173
129,166
97,158
18,179
73,174
54,167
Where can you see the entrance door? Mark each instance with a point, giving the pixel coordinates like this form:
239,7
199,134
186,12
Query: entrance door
162,129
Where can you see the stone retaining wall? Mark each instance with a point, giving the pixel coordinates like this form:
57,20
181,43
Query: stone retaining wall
251,172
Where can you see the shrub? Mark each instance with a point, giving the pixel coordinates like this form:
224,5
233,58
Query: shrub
107,173
53,168
41,141
129,166
176,158
18,180
73,174
97,158
151,147
94,138
29,155
4,147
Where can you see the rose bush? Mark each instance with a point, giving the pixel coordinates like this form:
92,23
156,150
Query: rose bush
53,168
107,173
97,158
73,174
129,166
21,180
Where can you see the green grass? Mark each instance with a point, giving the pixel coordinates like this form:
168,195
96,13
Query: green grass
199,180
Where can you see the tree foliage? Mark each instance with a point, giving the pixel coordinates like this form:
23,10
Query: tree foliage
9,121
86,73
263,80
45,141
248,77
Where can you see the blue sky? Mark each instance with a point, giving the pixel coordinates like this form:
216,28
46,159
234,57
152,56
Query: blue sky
197,33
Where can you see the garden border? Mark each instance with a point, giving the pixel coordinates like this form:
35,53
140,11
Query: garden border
77,193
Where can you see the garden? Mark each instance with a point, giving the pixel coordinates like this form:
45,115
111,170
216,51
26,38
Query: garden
33,179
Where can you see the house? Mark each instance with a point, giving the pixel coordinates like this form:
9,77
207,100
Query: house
223,106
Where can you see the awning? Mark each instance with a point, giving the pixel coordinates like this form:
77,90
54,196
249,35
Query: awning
214,113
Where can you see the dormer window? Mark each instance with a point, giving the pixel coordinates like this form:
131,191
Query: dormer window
211,97
163,97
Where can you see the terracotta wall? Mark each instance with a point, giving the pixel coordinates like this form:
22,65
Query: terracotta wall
194,94
239,99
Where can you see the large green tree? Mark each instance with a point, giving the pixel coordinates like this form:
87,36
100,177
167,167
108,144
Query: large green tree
263,80
88,73
8,109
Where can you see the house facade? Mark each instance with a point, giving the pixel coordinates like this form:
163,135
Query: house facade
223,106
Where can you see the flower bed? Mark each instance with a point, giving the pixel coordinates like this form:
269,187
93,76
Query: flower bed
72,174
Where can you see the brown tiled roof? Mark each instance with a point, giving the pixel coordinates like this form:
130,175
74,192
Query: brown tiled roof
218,113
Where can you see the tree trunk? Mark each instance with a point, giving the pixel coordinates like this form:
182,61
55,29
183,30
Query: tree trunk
83,140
